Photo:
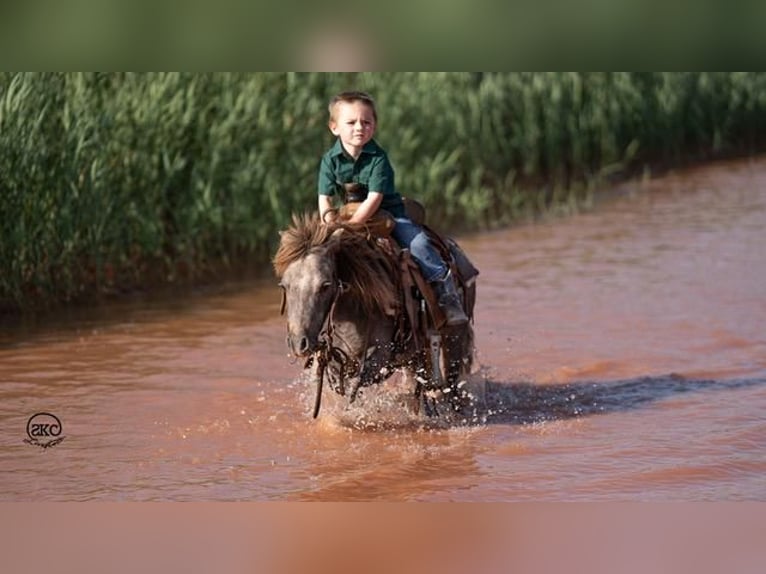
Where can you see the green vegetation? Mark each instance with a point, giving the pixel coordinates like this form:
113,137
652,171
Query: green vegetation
109,182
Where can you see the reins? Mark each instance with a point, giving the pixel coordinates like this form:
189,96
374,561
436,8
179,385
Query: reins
329,352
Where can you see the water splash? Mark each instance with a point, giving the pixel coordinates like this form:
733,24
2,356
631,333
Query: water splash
390,406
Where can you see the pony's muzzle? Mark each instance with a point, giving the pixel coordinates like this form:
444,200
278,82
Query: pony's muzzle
303,346
300,346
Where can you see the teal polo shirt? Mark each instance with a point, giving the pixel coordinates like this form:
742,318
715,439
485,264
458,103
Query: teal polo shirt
371,168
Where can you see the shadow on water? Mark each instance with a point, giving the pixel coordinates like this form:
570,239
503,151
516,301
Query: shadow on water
509,403
527,403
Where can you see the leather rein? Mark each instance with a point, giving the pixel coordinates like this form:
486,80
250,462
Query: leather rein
329,352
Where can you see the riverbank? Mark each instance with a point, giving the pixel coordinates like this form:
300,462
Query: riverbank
117,183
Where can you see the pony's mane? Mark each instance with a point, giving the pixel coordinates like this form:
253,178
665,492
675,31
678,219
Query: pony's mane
306,233
370,274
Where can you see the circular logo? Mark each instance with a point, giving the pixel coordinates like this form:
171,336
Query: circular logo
44,430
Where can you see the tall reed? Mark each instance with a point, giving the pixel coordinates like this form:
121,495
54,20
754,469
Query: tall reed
113,181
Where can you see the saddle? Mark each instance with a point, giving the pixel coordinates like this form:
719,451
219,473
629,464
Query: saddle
415,289
379,225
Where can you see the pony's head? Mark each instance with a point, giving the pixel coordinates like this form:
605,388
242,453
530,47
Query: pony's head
317,264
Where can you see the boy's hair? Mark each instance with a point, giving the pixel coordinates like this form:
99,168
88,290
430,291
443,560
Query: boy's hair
350,97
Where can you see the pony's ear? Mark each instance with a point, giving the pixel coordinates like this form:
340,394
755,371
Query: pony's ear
335,239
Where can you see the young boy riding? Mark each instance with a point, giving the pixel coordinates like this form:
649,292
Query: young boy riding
356,158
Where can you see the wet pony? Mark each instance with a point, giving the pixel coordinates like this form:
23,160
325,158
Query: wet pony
344,293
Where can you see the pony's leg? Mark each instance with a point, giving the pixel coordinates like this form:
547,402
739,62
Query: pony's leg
457,363
414,394
375,369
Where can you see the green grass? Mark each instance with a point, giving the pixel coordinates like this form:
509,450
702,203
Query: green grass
110,182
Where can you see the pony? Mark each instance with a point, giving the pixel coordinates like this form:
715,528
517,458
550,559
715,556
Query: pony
356,313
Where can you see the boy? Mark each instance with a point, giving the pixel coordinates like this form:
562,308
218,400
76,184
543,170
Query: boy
357,158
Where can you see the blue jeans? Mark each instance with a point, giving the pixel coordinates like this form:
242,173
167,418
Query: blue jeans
411,236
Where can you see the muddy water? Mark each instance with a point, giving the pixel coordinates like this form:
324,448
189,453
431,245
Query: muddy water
624,352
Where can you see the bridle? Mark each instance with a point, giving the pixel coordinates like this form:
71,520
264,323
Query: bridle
328,352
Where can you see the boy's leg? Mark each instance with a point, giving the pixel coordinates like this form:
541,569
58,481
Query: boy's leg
411,236
450,300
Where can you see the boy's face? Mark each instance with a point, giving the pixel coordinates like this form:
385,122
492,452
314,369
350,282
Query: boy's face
354,123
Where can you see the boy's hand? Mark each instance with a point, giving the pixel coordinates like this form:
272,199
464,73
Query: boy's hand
327,212
330,216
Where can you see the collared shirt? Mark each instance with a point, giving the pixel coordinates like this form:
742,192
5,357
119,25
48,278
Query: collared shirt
372,168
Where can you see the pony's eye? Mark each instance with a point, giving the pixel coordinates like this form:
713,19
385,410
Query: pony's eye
326,285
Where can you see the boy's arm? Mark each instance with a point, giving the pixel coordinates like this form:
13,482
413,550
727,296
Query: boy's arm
326,189
381,182
367,208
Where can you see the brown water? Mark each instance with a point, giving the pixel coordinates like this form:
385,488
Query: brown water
624,351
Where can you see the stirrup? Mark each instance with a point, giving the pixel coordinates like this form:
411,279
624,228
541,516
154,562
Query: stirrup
454,313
